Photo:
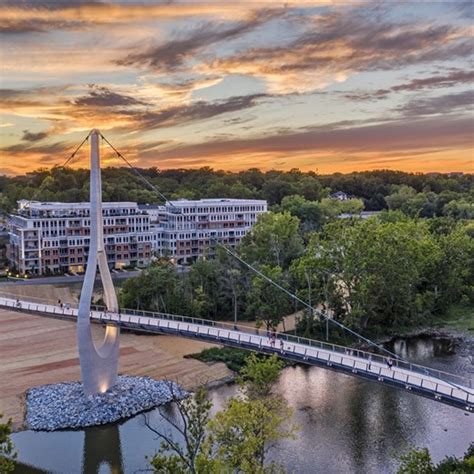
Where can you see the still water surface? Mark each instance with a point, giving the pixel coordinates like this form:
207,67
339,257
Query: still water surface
346,425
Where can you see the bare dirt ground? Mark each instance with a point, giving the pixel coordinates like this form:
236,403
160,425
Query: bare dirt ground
36,350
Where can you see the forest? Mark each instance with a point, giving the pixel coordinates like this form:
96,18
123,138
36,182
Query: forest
375,275
403,267
423,195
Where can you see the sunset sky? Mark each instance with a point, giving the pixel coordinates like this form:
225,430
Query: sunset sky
324,85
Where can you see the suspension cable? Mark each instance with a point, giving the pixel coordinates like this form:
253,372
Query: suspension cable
68,160
258,272
273,282
135,170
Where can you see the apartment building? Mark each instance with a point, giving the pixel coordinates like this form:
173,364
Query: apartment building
185,230
52,237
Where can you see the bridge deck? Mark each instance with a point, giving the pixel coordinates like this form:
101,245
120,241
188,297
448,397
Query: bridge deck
440,386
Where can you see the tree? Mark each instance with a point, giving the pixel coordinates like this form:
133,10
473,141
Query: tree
418,461
158,288
459,209
258,375
309,213
334,207
206,274
377,268
7,450
238,439
453,272
233,277
250,426
190,454
247,430
267,302
274,240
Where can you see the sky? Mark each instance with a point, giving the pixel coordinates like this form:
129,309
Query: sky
326,86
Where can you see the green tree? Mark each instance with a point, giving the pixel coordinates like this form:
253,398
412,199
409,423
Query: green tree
399,197
459,209
309,213
258,375
453,272
191,453
334,207
416,462
7,450
206,274
267,302
274,240
239,437
158,288
248,428
376,269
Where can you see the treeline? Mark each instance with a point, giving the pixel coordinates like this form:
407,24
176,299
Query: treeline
417,194
389,271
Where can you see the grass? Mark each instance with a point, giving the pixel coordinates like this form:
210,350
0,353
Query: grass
459,317
233,358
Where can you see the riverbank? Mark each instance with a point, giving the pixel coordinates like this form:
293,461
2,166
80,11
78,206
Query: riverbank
37,350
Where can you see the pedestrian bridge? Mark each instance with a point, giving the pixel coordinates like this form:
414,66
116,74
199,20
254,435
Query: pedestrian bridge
431,383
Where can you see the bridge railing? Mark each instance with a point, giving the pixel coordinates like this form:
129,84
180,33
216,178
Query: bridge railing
70,309
188,326
320,345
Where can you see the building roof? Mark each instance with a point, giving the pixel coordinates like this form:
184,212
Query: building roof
52,206
211,201
145,207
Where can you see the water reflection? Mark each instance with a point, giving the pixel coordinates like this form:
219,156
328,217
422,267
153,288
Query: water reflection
102,450
347,425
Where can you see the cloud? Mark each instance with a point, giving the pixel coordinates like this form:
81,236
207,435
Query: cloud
100,96
33,137
399,136
465,9
199,110
16,27
50,148
444,104
113,109
173,54
343,42
32,17
454,78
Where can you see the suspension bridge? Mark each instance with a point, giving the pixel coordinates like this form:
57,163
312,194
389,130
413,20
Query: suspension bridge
99,365
434,384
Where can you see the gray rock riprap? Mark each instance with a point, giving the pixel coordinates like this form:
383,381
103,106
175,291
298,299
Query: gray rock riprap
64,405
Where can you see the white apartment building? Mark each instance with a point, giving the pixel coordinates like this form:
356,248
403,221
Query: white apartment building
185,229
52,237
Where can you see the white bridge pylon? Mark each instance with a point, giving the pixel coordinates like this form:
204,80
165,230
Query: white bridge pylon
99,365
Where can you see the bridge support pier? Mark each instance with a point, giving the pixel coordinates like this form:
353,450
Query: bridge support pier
99,365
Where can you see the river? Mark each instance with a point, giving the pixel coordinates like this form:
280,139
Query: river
346,425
